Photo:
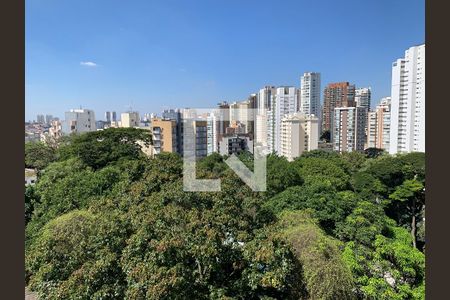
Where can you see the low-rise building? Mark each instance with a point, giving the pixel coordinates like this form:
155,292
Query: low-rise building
235,144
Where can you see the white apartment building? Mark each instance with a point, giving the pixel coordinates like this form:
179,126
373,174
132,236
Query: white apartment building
310,93
407,132
79,120
212,132
363,97
129,119
283,102
299,133
379,125
264,99
348,129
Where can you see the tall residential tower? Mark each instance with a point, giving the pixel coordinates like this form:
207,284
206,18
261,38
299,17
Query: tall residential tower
408,102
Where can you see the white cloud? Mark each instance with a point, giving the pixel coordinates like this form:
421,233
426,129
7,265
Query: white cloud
88,64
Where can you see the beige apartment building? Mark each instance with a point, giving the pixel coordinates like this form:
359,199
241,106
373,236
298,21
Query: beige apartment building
299,133
164,134
379,123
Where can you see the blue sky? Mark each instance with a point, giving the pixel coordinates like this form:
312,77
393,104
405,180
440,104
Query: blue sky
108,54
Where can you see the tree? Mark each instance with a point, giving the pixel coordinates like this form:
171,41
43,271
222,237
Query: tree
328,206
410,198
76,255
281,174
31,200
326,275
364,224
355,160
97,149
368,186
326,135
316,169
38,155
389,269
118,225
374,152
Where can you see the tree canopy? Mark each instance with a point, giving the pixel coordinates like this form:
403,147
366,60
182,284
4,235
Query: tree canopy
106,222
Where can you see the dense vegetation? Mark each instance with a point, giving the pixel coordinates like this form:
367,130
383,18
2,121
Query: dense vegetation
106,222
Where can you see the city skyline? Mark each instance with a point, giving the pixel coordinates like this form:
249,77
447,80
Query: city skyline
199,59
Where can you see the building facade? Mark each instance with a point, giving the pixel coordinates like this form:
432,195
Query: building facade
299,133
340,94
363,97
40,119
379,125
408,102
264,99
212,143
310,93
284,102
129,119
79,120
108,116
348,133
235,144
164,135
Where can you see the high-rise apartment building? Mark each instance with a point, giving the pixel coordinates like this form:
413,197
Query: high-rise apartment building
234,111
264,99
379,124
341,94
40,119
348,132
48,119
212,132
79,120
129,119
363,97
408,102
223,118
175,115
310,93
283,102
201,138
299,133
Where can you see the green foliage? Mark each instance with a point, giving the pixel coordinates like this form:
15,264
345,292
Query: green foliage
76,256
31,200
368,186
280,175
319,169
38,155
327,205
374,152
326,276
97,149
106,222
363,225
389,269
355,160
